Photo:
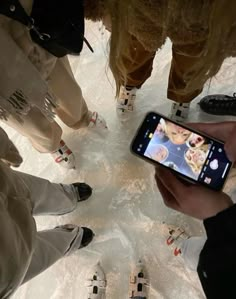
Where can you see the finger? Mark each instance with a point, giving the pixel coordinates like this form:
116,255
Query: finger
230,149
225,131
168,198
171,183
218,130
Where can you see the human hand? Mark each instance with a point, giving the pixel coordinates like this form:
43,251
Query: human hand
224,131
193,200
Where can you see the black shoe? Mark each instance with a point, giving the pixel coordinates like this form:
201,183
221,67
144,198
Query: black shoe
84,190
219,104
87,236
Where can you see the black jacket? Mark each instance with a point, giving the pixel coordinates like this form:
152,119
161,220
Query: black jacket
217,263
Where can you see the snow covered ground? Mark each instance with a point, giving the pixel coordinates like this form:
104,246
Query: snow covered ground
126,210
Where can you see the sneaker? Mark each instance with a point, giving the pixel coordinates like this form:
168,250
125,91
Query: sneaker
63,156
138,282
219,104
97,121
125,101
96,283
175,238
179,111
84,190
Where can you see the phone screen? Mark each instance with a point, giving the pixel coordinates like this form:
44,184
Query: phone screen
194,156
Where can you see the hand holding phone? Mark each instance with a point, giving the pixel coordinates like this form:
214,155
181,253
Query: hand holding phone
225,131
196,157
195,201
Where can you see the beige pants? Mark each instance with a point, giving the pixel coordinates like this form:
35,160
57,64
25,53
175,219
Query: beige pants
44,135
24,252
139,69
140,64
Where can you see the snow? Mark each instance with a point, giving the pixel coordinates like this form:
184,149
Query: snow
126,210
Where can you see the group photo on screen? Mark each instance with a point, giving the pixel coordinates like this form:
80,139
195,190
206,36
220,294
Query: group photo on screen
178,148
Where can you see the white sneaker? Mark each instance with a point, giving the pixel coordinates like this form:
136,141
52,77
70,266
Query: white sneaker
179,111
176,236
63,156
138,282
97,121
125,101
96,283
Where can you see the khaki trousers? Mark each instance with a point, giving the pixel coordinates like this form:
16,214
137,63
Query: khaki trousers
184,57
25,252
44,135
50,245
139,69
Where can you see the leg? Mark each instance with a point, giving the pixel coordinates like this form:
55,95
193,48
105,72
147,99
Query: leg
51,245
190,251
139,64
22,248
54,199
44,135
72,110
138,69
134,69
184,61
47,197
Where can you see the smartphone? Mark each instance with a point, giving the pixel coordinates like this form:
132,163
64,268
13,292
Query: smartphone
190,154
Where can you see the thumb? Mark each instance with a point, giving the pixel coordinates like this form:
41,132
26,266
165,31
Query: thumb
230,149
220,131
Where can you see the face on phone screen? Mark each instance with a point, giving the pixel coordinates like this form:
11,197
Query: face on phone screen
194,156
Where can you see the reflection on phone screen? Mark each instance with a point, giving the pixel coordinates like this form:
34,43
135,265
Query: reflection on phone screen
178,148
186,152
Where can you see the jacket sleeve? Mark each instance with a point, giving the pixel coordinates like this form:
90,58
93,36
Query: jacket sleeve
8,152
217,262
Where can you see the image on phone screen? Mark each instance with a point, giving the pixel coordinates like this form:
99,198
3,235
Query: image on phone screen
194,156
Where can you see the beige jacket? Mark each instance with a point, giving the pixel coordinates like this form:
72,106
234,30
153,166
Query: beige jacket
17,226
